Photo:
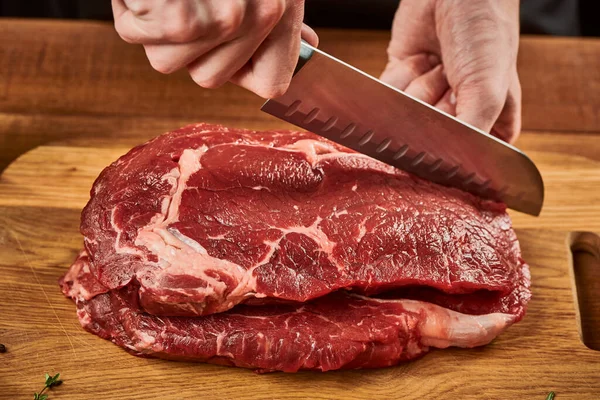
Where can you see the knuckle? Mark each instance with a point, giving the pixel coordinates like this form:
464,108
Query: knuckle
487,97
138,7
428,93
489,92
162,68
229,20
494,97
417,66
208,82
124,32
128,38
413,70
271,12
490,111
271,91
182,30
161,65
490,107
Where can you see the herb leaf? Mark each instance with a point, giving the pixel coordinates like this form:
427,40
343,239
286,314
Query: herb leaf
550,396
49,382
54,381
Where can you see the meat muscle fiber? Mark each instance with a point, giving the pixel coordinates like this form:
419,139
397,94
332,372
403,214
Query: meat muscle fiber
236,247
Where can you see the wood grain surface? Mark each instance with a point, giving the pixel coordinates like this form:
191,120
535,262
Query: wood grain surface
77,85
62,78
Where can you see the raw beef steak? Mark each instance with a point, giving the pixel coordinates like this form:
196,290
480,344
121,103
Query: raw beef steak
340,330
266,250
205,218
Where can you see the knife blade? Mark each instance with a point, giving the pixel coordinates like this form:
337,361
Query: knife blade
344,104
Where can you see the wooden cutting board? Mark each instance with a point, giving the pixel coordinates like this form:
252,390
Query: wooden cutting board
42,193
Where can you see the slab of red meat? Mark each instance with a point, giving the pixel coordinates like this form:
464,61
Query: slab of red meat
206,217
340,330
266,250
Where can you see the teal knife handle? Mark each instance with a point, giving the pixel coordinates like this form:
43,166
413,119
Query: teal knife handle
306,52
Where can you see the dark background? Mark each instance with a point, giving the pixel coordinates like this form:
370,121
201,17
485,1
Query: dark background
546,17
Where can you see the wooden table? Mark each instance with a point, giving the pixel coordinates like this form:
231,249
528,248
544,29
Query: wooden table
78,82
77,85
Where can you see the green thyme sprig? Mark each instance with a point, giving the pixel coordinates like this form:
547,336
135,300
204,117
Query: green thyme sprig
51,381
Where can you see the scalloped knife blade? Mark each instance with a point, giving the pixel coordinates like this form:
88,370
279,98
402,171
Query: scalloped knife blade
342,103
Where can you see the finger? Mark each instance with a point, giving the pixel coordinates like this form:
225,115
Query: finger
480,103
429,87
126,23
118,8
413,29
400,72
508,124
146,22
270,72
217,66
310,35
447,103
471,39
168,58
176,22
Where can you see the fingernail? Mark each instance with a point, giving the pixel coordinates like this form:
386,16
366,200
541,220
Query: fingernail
452,98
433,60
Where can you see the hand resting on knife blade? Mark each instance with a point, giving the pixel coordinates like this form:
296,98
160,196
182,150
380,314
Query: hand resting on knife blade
459,55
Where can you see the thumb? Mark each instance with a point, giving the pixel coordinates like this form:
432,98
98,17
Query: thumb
309,35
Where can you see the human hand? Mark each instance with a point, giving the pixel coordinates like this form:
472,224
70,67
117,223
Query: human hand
252,43
460,56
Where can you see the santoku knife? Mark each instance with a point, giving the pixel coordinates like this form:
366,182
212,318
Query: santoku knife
342,103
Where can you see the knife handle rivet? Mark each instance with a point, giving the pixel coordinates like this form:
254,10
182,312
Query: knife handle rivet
383,145
348,130
293,108
366,138
400,153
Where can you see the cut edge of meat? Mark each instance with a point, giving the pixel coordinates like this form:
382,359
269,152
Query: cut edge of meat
352,331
